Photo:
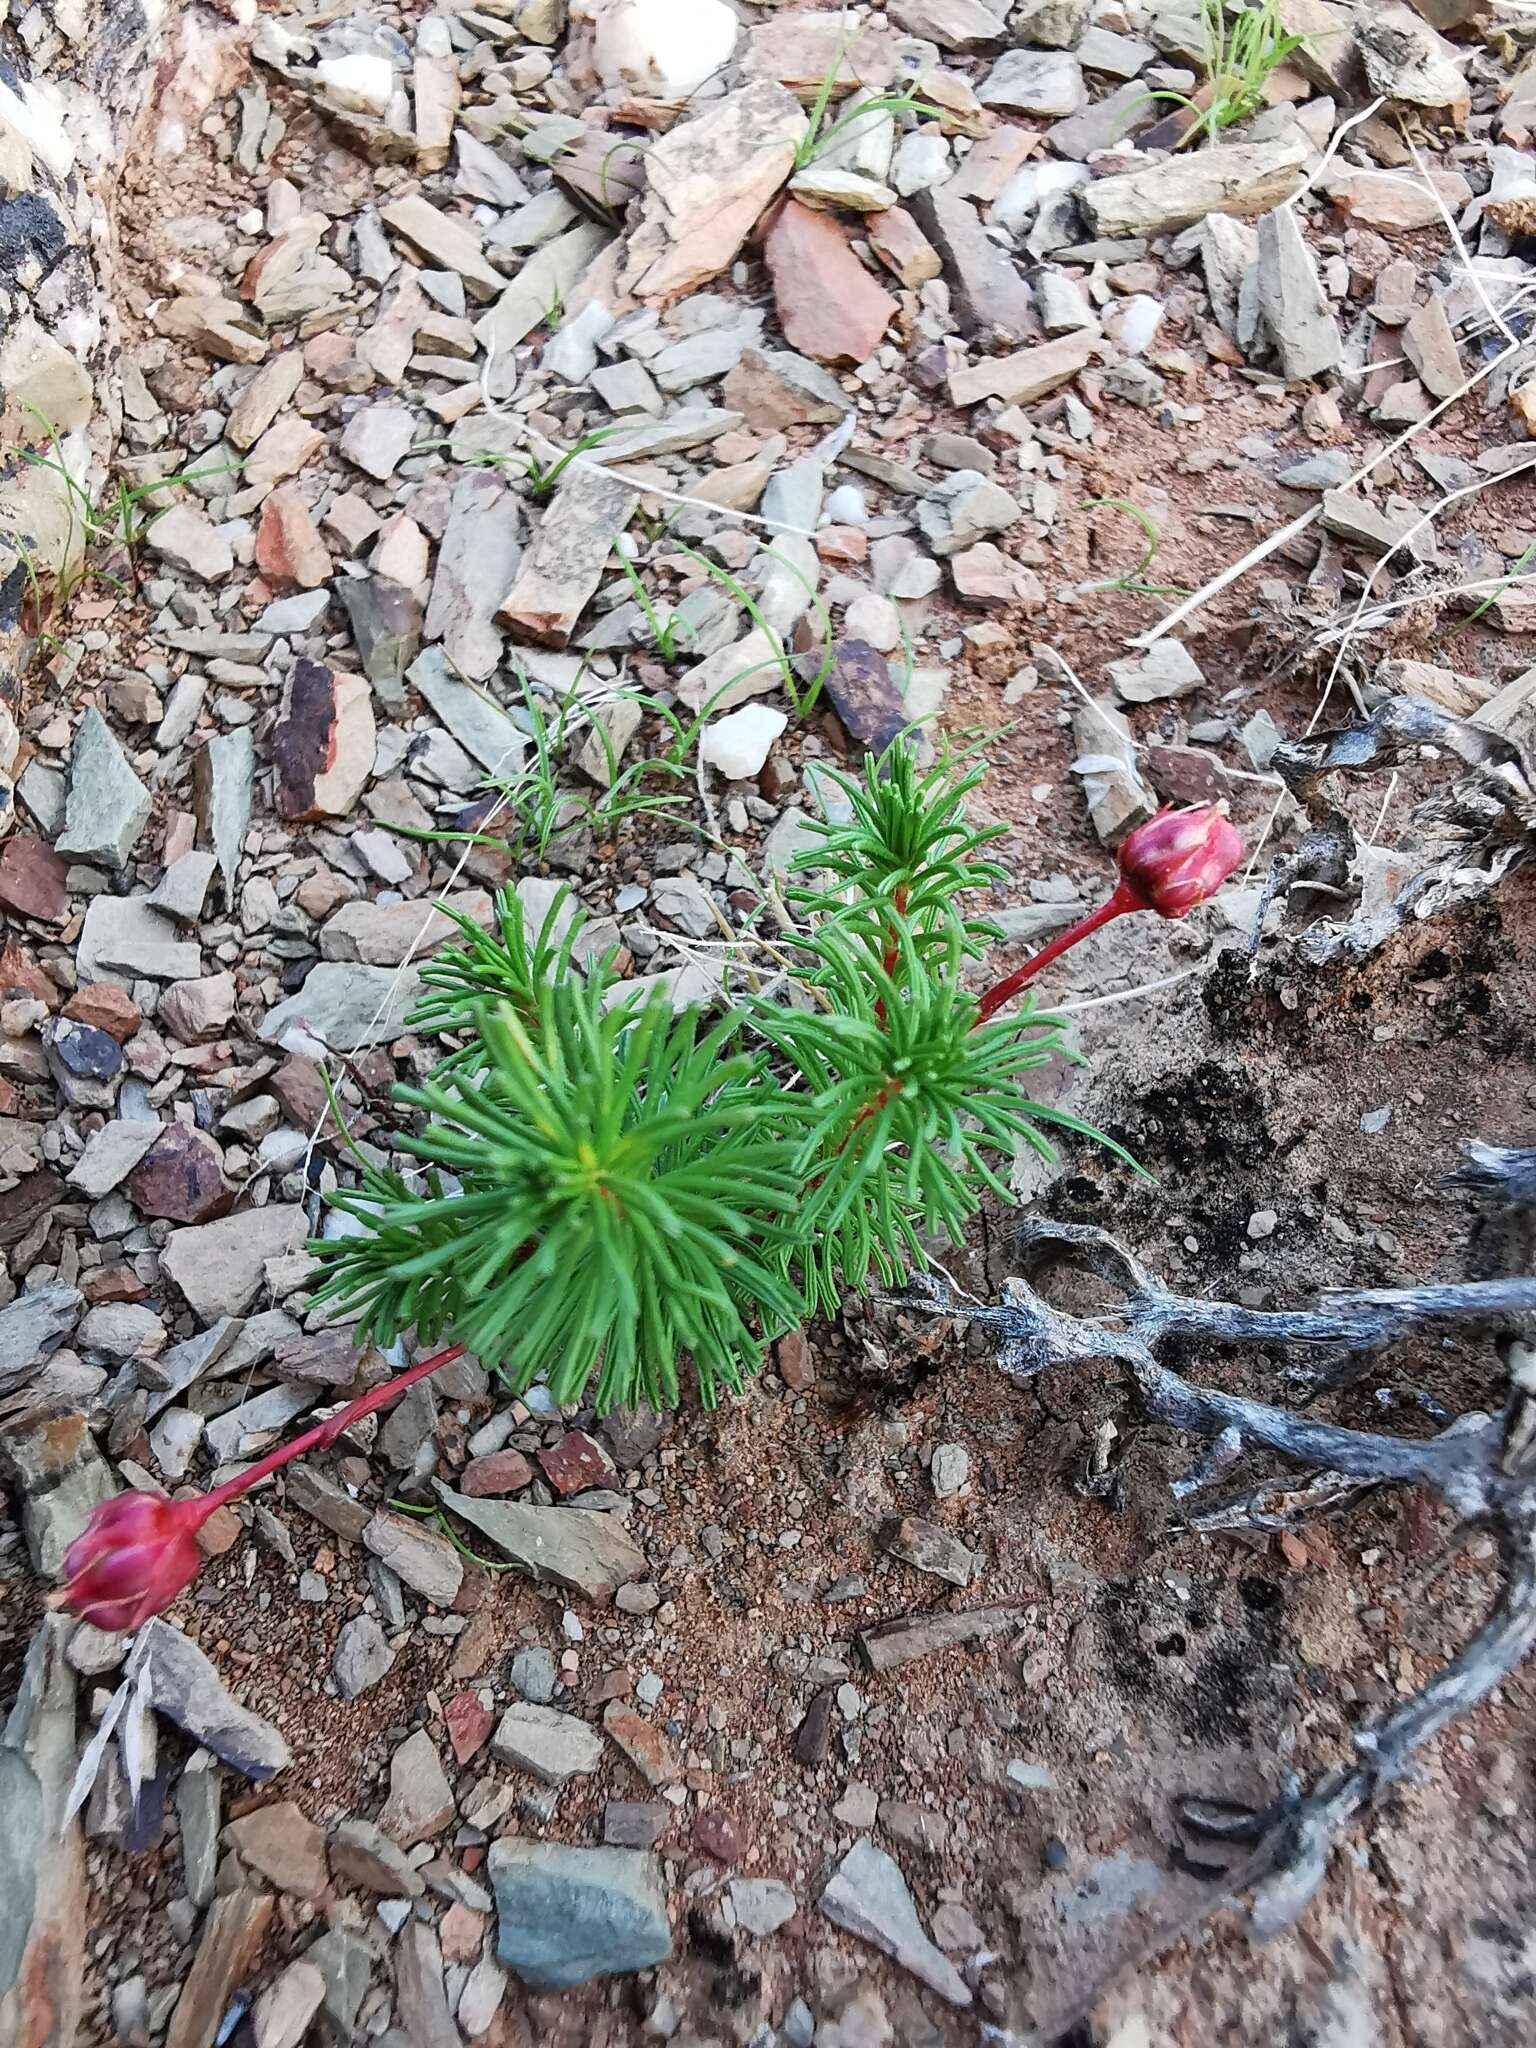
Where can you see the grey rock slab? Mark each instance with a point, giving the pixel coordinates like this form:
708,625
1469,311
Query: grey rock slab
568,1915
282,2013
447,241
344,1005
892,1644
578,1548
991,300
868,1897
43,1917
376,438
62,1478
345,1961
219,1266
223,778
1241,178
362,1657
362,1854
963,508
562,567
476,561
1296,309
547,278
531,1674
1405,59
1117,796
551,1745
183,889
761,1904
110,1154
231,1935
1044,82
928,1548
106,805
33,1326
1361,524
187,539
242,1430
420,1802
750,667
182,1684
952,24
1429,343
689,427
473,716
1027,374
198,1805
294,616
1229,250
124,936
384,934
1166,669
420,1996
418,1554
1100,125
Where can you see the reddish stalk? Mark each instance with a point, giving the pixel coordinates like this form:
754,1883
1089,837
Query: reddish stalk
1004,991
325,1434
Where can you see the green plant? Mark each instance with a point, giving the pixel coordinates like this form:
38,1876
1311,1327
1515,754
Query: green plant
1131,579
540,480
613,1186
802,698
118,521
1527,555
1239,59
664,632
544,810
818,137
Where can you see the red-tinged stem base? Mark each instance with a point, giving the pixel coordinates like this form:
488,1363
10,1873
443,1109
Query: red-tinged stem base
325,1433
1004,991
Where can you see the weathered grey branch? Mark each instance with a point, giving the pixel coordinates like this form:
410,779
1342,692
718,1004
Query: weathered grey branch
1482,1465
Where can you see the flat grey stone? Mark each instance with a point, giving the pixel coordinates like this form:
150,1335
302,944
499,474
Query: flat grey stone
107,805
181,1683
552,1745
568,1915
868,1897
110,1154
33,1326
223,776
362,1657
218,1266
578,1548
124,936
344,1005
1166,669
473,717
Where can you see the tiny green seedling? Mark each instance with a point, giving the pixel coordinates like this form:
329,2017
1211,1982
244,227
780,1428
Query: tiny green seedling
1239,61
664,632
818,137
1132,579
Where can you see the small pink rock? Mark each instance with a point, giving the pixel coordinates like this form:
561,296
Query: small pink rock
829,306
720,1836
577,1462
497,1472
468,1724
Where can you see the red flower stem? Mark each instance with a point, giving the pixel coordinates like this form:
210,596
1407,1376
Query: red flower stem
1004,991
325,1433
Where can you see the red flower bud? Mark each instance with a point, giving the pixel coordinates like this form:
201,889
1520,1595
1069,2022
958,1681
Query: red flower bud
1178,859
134,1555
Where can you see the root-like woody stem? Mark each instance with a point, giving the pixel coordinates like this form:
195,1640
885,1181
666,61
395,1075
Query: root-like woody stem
1483,1466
